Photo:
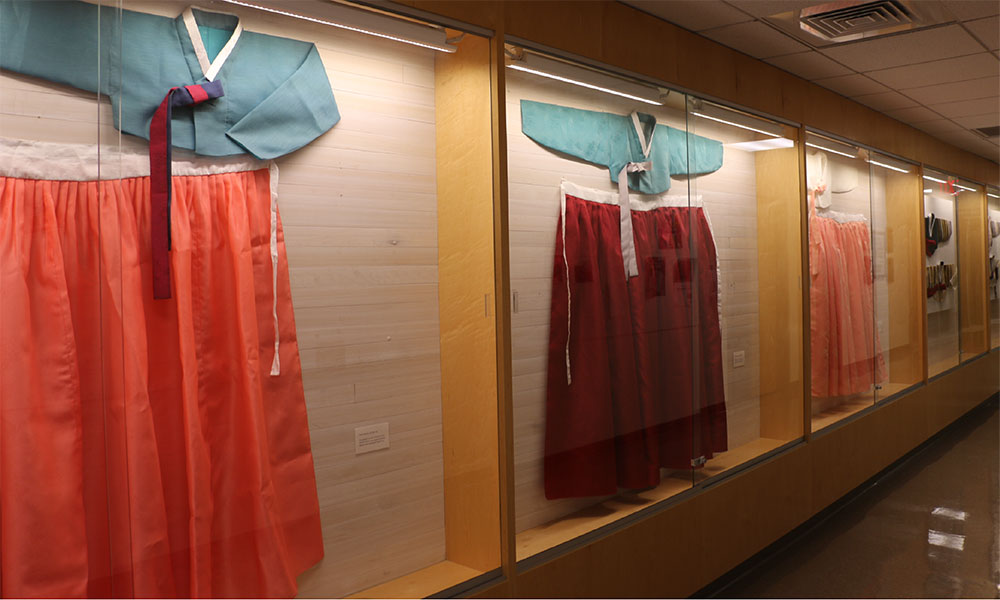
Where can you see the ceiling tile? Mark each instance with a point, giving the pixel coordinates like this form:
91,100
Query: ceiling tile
756,39
852,85
938,126
951,92
987,30
695,15
914,114
967,108
905,48
975,66
809,65
977,121
972,9
766,8
884,101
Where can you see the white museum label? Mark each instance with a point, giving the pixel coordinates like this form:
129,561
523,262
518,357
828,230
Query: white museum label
371,437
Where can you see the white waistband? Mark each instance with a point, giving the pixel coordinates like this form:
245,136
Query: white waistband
640,202
90,162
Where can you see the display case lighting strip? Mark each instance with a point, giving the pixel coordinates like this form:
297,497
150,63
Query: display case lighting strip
962,187
817,146
935,179
992,195
407,33
741,125
881,164
550,68
928,190
524,69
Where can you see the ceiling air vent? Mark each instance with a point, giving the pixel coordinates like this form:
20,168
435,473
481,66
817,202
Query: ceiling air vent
990,132
839,19
846,20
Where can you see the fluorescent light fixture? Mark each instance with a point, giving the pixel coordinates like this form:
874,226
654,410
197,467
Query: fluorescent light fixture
817,146
928,191
721,114
826,144
358,20
887,166
992,195
935,179
583,77
962,187
758,145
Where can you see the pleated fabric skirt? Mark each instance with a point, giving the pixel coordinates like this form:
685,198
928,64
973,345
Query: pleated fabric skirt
846,351
146,449
635,379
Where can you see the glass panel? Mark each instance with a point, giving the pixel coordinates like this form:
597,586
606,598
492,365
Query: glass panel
847,360
897,244
942,272
602,360
748,380
61,434
307,382
993,266
972,225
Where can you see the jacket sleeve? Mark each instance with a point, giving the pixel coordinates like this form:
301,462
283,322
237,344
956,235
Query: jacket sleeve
62,42
301,109
585,134
692,154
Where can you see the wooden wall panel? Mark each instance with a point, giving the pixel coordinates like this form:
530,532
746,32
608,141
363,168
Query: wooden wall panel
972,292
466,289
779,246
905,269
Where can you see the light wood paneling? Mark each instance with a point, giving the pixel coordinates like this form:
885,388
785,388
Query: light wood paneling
468,338
972,255
779,248
905,269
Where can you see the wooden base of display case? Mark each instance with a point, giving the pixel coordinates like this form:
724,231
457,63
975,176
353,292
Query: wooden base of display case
422,583
841,410
538,539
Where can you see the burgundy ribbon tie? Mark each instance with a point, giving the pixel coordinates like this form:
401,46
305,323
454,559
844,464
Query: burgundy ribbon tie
159,175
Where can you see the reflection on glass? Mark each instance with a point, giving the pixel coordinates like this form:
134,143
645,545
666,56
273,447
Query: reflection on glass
846,202
941,252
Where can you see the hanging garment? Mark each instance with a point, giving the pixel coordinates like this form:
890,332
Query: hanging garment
614,141
635,379
818,177
277,100
846,352
146,450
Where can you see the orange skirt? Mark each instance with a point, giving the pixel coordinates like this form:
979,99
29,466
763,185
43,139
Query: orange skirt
146,447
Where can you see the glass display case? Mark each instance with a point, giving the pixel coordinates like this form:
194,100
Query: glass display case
650,352
940,227
864,244
262,363
993,262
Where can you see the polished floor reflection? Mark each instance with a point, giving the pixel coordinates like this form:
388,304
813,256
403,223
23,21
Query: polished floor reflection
929,529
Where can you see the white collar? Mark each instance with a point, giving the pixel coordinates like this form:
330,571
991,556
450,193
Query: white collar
645,143
210,70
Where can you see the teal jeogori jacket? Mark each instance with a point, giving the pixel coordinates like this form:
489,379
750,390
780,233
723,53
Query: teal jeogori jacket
613,140
277,95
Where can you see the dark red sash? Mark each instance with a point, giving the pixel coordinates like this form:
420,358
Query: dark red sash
159,175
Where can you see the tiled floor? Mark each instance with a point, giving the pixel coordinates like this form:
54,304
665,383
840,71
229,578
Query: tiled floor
927,529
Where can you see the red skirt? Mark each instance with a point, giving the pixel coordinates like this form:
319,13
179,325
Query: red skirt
146,449
635,379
